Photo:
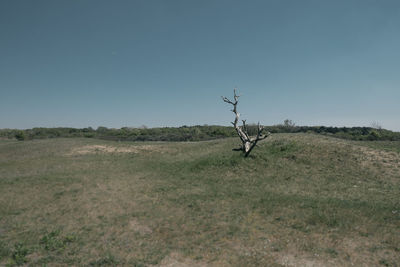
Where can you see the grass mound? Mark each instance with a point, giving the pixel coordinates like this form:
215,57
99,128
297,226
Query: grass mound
299,199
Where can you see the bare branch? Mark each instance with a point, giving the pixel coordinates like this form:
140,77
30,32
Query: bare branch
235,95
245,129
227,100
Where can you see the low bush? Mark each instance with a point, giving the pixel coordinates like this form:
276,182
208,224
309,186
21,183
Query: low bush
196,133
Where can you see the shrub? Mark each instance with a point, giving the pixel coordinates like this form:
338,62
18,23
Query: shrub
53,241
20,135
19,254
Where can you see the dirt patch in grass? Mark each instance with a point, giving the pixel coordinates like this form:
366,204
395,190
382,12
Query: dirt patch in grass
323,250
384,162
388,159
177,260
94,149
137,227
297,260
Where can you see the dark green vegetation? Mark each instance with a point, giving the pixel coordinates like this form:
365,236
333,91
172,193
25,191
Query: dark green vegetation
299,199
195,133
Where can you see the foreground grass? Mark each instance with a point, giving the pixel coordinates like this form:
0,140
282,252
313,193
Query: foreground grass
299,200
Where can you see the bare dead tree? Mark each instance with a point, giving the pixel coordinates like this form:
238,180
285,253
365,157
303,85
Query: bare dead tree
376,125
248,143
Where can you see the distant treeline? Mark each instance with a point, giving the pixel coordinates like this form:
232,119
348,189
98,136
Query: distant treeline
194,133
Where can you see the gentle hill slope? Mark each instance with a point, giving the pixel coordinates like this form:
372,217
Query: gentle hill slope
300,200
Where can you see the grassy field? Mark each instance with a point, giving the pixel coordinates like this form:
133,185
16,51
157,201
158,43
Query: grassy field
299,200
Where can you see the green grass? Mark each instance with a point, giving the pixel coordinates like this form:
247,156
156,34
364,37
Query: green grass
298,199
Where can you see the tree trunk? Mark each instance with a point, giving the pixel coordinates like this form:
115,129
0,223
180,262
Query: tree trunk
248,143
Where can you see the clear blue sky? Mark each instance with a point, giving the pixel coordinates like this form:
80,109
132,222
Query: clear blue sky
166,63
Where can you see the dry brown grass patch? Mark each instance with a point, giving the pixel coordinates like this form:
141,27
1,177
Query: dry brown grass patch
94,149
177,260
140,228
388,159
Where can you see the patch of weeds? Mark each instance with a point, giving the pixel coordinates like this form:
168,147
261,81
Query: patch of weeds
58,195
318,218
194,206
384,262
283,147
136,263
276,247
44,261
309,247
54,242
69,238
364,234
375,248
300,227
108,260
198,257
332,252
4,250
232,230
291,157
216,161
19,254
